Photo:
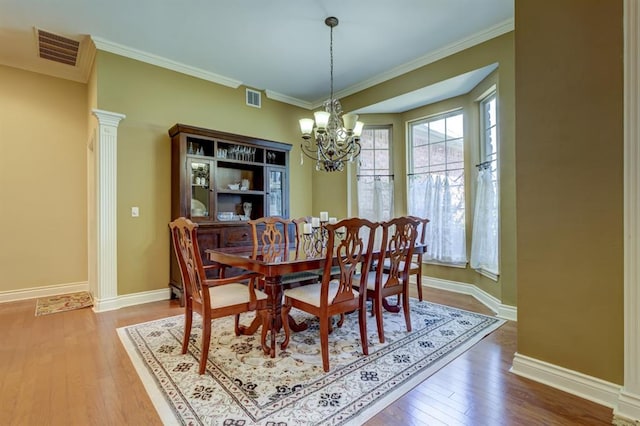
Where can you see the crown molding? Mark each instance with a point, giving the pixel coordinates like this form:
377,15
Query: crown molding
458,46
118,49
289,100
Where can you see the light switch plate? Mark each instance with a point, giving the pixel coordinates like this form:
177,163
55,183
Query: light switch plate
135,212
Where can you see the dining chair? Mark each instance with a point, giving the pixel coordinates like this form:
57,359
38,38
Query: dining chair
391,277
212,298
351,252
415,265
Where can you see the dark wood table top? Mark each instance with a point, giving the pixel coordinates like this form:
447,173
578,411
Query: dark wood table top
297,261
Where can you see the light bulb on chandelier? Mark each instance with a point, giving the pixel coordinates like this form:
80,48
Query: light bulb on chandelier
336,137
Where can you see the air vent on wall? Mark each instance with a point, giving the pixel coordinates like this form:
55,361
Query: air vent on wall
57,48
253,98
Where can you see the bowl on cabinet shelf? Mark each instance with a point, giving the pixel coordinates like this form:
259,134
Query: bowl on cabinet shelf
225,216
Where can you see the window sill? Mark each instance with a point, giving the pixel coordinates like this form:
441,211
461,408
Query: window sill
452,265
488,274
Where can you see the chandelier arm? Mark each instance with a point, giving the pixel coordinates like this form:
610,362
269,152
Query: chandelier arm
311,153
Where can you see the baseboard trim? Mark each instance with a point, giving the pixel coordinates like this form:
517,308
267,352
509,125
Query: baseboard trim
573,382
113,303
502,311
627,411
45,291
99,305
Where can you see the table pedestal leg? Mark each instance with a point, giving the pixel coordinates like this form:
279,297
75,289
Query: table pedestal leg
273,288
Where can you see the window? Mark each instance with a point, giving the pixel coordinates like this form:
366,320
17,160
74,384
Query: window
485,237
375,181
436,184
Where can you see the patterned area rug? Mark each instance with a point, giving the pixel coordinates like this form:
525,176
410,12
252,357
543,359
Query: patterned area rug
243,387
63,302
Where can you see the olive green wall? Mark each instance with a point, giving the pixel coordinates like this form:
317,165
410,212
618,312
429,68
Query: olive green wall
154,99
569,162
43,203
499,50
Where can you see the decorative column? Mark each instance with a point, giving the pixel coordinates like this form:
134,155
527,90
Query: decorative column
627,411
106,172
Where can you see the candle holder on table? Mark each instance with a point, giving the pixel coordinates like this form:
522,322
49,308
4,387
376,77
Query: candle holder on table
315,235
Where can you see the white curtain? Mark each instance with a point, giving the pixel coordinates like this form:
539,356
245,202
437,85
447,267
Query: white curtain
484,245
437,198
375,198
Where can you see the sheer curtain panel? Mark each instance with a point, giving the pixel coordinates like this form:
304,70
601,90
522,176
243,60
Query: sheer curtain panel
441,200
375,198
484,245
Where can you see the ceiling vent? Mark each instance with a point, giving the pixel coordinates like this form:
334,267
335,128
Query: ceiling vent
57,48
254,98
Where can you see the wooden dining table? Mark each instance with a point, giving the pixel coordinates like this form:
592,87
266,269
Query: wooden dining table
273,273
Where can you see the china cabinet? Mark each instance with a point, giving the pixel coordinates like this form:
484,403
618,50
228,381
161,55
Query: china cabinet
220,180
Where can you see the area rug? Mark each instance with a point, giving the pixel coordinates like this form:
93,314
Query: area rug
241,386
63,302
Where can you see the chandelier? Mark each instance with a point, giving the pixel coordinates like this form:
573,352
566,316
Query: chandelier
336,138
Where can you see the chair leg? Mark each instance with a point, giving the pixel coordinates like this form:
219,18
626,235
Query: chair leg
188,320
362,322
341,320
324,343
237,325
206,339
378,309
405,306
419,281
286,308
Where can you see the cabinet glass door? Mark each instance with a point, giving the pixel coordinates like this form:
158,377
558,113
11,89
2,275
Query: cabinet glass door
275,192
200,188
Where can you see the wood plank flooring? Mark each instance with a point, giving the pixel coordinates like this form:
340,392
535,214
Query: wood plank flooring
71,369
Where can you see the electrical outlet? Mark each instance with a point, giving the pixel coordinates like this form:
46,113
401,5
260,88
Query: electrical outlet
135,212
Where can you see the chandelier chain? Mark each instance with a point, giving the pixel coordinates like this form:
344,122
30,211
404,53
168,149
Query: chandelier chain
331,61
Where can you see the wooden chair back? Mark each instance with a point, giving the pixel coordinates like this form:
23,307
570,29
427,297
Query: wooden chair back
298,227
272,242
185,243
398,243
353,252
422,228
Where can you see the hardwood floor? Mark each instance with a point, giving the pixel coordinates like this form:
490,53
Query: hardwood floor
71,369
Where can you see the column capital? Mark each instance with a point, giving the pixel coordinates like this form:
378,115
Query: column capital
108,118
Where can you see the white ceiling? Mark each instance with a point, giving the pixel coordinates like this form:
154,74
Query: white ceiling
279,46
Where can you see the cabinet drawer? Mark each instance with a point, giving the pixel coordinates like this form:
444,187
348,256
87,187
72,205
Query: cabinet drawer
237,236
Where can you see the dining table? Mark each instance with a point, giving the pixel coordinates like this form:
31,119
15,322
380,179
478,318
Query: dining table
296,261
